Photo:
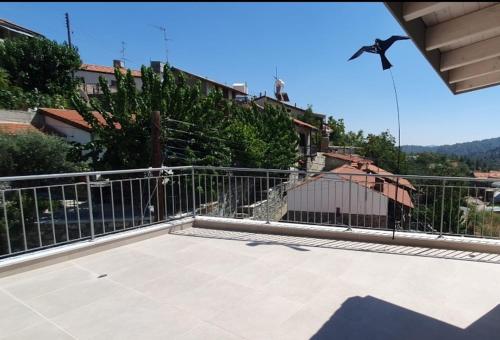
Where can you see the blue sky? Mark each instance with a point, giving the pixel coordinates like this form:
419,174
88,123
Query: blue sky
308,42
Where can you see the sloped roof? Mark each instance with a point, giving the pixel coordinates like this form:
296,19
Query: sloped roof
377,170
73,118
348,158
388,189
20,29
460,40
15,128
358,176
304,124
107,69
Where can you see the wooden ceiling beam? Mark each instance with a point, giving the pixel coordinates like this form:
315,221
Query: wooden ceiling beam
470,54
414,10
477,83
474,70
461,29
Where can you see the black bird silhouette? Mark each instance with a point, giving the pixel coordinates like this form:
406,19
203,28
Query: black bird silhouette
380,47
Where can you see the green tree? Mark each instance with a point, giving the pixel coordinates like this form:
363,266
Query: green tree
340,137
41,64
34,153
383,151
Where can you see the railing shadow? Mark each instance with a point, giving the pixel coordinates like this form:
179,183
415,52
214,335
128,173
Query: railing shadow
254,239
371,318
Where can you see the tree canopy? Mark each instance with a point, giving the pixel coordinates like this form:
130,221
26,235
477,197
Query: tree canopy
195,128
39,63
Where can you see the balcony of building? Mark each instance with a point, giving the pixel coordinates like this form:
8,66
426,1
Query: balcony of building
225,253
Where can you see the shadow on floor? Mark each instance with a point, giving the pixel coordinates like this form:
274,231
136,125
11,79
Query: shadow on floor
372,318
290,241
291,246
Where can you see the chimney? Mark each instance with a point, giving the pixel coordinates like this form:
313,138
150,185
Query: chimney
157,66
118,63
242,87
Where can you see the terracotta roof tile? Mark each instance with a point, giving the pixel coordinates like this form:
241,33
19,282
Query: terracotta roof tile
350,158
388,189
15,128
73,118
107,69
377,170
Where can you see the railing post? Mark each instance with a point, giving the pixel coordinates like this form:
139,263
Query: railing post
91,214
267,205
193,191
442,210
350,192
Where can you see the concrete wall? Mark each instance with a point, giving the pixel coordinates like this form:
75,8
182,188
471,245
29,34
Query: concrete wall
328,194
72,134
91,78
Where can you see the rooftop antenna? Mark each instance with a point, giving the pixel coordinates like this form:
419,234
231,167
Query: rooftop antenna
122,51
165,39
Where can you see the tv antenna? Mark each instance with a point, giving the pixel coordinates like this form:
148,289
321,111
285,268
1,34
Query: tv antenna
165,39
122,51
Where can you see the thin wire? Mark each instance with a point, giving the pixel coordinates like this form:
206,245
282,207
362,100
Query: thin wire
399,125
399,151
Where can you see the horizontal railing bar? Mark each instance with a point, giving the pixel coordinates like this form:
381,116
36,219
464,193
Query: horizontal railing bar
471,179
90,173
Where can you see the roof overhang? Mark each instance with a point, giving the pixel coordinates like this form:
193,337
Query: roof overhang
461,40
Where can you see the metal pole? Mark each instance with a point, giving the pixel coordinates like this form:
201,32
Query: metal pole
267,198
193,191
442,210
91,215
350,191
68,29
157,160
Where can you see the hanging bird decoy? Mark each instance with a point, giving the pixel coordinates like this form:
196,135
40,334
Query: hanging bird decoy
380,47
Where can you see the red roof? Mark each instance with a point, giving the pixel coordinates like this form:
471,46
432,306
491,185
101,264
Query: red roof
107,69
388,189
73,118
485,175
304,124
361,178
377,170
347,158
15,128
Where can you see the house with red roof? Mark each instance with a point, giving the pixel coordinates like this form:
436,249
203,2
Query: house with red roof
68,124
89,74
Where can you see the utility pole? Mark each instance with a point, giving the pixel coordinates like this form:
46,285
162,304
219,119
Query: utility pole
68,29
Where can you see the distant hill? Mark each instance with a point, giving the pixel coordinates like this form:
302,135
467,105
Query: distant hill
460,149
485,153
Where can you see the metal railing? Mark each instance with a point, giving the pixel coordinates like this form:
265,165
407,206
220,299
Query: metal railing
47,210
308,151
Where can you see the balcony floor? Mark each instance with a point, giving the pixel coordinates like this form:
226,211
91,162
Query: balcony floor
207,284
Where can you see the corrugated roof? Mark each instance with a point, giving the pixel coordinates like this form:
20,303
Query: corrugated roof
107,69
15,128
73,118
